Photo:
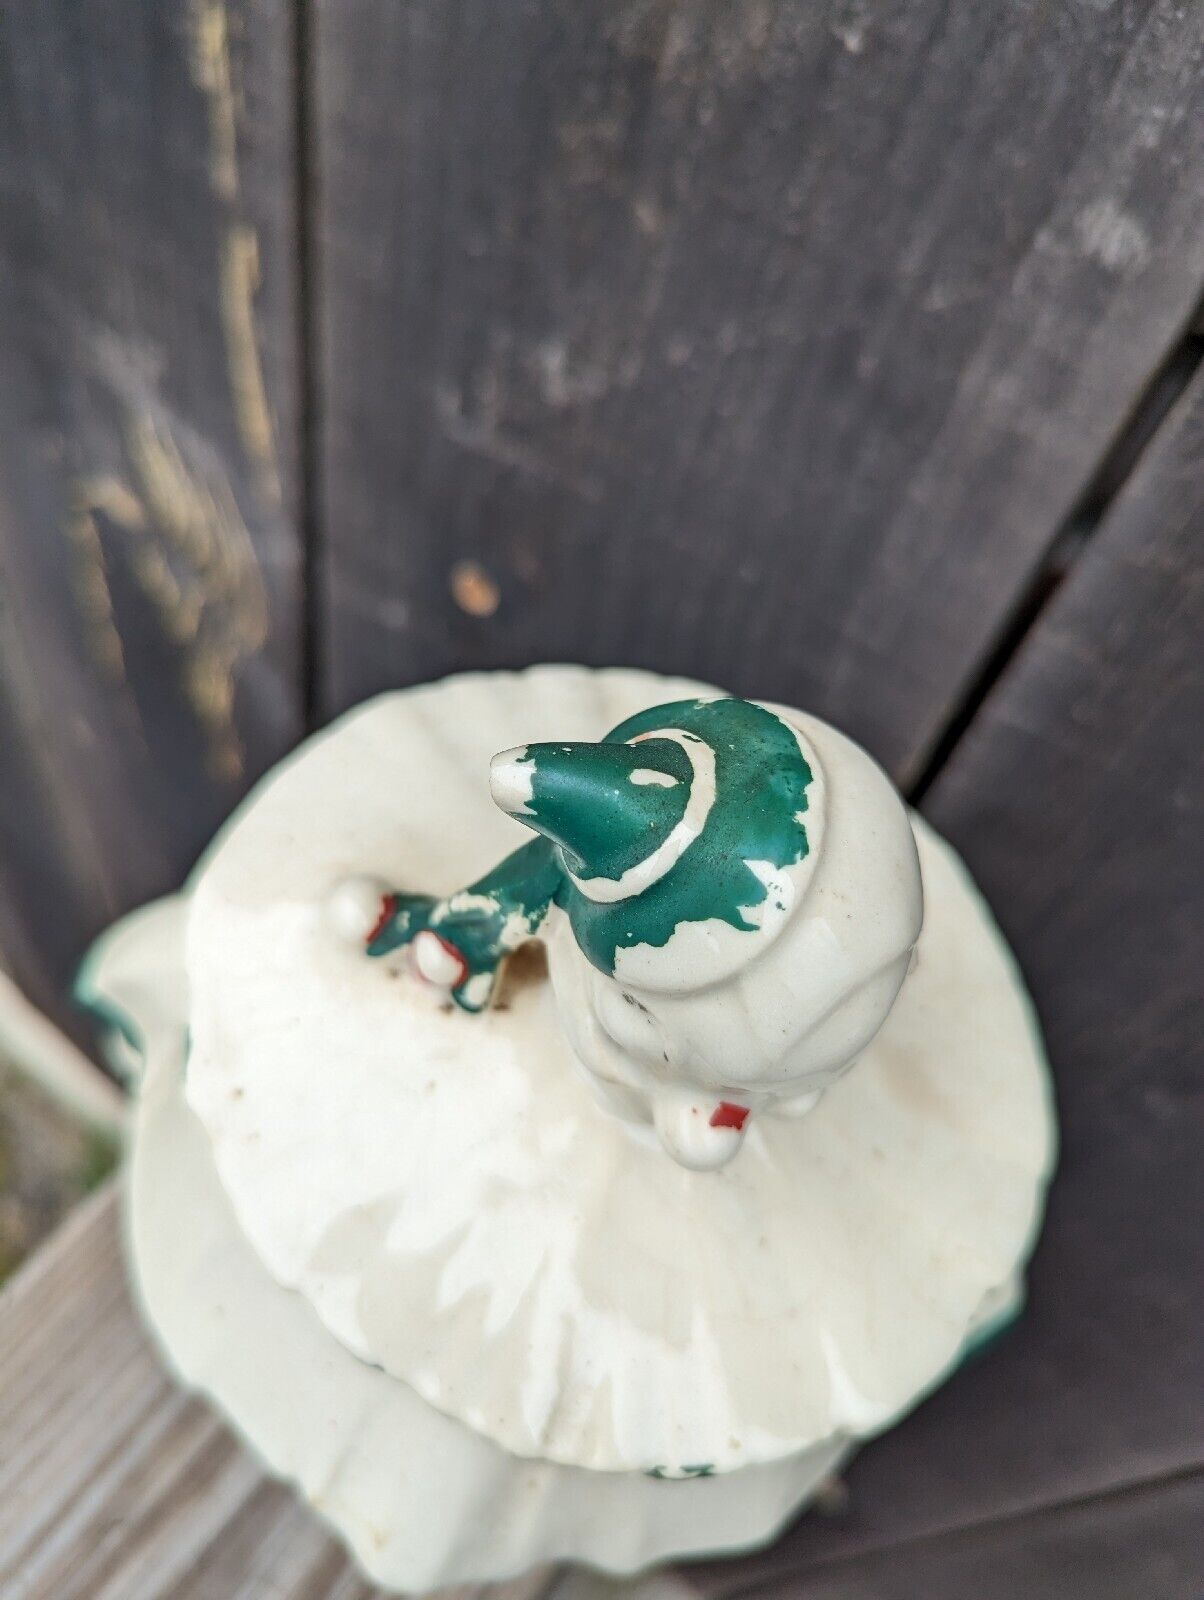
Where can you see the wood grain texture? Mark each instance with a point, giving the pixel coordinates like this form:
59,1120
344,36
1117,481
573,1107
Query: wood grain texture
769,343
114,1485
1077,797
1141,1542
149,562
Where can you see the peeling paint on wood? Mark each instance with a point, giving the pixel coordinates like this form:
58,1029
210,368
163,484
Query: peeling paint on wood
240,279
211,69
239,245
210,600
183,539
149,438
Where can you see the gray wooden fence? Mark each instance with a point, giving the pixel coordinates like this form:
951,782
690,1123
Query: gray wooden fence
839,351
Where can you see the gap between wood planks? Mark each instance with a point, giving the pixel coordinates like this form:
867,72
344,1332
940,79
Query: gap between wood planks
1115,468
307,181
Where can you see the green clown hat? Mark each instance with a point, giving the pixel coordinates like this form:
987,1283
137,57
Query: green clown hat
687,814
609,806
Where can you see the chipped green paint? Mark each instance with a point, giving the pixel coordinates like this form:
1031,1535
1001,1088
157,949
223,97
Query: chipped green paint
604,809
484,922
607,805
761,781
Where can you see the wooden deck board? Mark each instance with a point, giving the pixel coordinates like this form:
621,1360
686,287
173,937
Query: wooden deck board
1143,1543
115,1485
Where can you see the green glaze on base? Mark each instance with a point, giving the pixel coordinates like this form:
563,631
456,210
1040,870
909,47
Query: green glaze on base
702,1469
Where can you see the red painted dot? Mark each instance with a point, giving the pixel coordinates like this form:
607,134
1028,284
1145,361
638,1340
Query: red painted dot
388,905
727,1115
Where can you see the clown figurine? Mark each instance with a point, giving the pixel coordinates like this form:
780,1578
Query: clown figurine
730,896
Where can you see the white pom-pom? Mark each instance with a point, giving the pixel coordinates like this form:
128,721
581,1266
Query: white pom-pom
438,961
699,1133
511,777
356,907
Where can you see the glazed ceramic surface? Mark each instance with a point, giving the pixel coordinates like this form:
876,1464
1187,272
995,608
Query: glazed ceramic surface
421,1500
447,1195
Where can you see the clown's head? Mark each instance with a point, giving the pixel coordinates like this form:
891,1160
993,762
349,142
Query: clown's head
741,896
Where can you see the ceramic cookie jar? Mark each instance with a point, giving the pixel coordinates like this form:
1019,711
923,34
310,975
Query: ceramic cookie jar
575,1108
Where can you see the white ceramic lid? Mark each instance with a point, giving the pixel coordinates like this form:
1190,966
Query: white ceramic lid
421,1500
467,1219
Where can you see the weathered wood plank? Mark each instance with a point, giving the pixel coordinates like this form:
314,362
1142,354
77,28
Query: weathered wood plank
1077,797
1143,1541
116,1486
148,439
769,343
113,1484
